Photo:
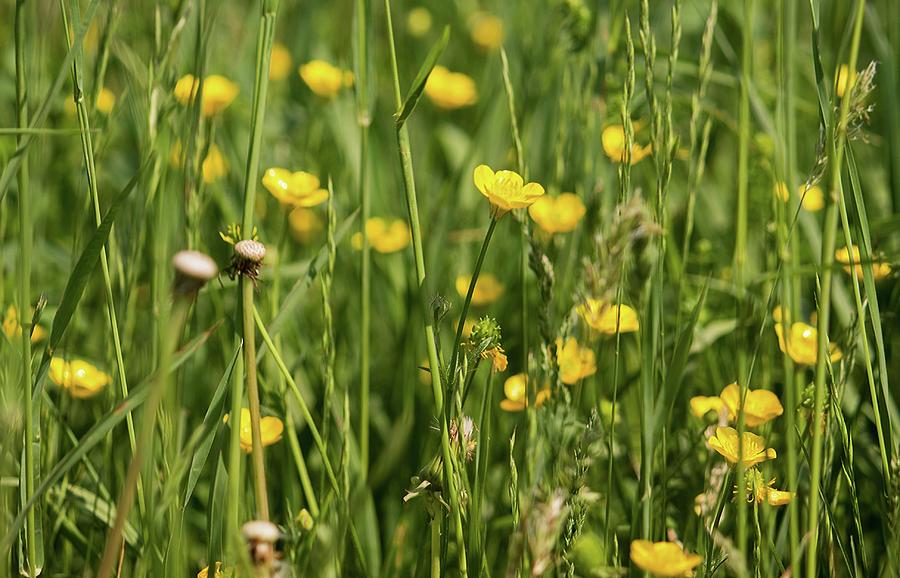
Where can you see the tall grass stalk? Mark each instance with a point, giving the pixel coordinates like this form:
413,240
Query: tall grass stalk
265,38
409,184
26,239
363,120
836,138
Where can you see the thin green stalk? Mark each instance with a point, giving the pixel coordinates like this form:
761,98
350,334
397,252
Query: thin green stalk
26,239
175,325
409,184
363,120
87,148
435,547
836,140
265,38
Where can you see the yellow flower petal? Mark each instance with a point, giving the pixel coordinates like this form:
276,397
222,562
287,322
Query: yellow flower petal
701,405
760,405
575,362
606,318
662,558
725,442
450,90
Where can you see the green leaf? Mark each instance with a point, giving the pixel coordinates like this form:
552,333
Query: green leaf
418,85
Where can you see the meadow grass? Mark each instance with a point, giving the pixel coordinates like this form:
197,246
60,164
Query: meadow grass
548,288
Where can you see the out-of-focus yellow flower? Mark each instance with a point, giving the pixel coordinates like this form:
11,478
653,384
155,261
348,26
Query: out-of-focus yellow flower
506,190
845,80
297,189
205,572
801,343
575,362
487,289
486,30
450,90
613,140
778,497
516,390
418,22
78,377
214,166
663,558
812,197
325,79
725,442
557,214
499,362
760,405
270,430
105,103
843,255
605,318
305,224
218,92
13,329
280,63
384,236
702,405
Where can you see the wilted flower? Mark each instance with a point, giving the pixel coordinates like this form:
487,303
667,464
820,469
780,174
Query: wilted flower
802,343
325,79
78,377
12,328
506,190
487,289
725,442
218,92
270,430
575,362
486,30
297,189
450,90
760,405
557,214
663,558
385,236
880,270
515,388
613,140
605,318
280,63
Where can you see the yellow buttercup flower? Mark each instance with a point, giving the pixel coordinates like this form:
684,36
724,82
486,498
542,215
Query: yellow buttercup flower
13,329
486,30
297,189
845,80
663,558
385,236
280,63
418,21
450,90
218,92
575,362
557,214
487,289
613,140
812,197
506,190
880,270
106,100
702,405
605,318
305,224
725,442
760,405
78,377
778,497
516,390
270,430
762,492
325,79
214,166
801,343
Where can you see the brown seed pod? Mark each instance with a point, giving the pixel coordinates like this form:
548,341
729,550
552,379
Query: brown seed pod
248,256
192,270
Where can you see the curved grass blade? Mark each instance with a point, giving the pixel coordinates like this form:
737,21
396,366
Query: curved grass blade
418,85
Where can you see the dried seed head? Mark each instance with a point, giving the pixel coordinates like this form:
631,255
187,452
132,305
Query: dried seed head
250,250
261,531
192,270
